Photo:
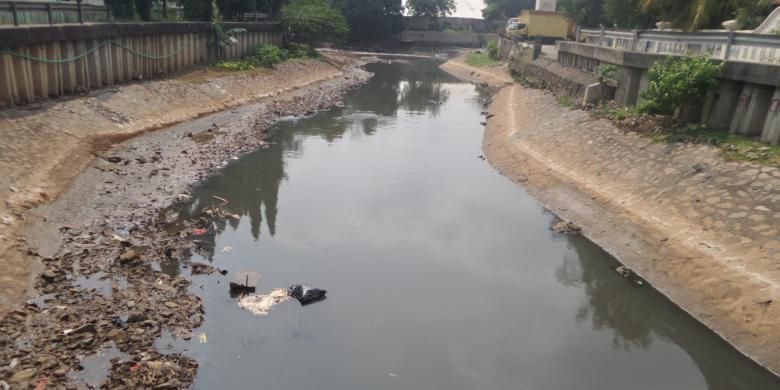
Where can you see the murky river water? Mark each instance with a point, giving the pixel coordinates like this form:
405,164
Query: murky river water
441,273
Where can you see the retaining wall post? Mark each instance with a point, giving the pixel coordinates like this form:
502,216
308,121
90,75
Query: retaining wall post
771,133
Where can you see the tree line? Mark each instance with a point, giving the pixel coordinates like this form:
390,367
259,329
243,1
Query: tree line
684,14
362,19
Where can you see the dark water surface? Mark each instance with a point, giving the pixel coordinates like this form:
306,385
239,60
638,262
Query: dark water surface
441,273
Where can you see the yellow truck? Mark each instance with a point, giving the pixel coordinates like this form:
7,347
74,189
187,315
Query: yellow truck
548,25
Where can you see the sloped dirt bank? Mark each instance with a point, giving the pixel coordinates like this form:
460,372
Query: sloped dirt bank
700,229
647,205
104,241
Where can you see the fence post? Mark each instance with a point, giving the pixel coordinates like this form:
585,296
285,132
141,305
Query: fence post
15,15
48,13
729,42
81,14
577,32
635,44
601,35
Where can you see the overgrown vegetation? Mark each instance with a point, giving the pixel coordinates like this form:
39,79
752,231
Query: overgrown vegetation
606,71
679,82
269,55
733,147
685,14
492,49
480,59
565,101
660,128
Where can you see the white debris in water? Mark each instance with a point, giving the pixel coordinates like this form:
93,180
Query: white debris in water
261,305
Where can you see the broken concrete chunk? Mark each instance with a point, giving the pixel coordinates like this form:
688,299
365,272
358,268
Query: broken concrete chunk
244,282
23,375
628,274
201,269
564,227
129,255
86,328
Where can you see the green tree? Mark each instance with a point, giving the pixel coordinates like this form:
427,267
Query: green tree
586,13
197,10
373,19
431,8
627,14
232,9
311,21
697,14
121,9
504,9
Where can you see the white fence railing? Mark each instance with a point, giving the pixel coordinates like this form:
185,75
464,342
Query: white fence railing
733,46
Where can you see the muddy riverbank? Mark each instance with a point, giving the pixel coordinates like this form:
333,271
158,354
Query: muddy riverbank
102,242
45,145
700,229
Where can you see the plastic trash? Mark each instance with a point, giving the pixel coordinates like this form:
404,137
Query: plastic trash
306,295
261,305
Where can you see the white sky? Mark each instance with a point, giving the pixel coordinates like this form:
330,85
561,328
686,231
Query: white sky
469,8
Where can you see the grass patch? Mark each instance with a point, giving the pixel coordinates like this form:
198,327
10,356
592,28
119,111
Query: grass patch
733,147
480,60
267,56
565,101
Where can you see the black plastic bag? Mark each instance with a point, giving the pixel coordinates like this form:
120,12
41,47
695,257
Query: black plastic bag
306,295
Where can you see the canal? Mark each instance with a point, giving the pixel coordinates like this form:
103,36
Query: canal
441,273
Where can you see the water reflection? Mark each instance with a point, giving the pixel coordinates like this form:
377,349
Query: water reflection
639,317
399,85
442,271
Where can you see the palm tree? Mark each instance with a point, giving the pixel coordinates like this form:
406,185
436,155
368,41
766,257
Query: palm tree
697,14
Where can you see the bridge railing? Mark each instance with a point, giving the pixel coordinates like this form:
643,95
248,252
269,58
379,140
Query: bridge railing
733,46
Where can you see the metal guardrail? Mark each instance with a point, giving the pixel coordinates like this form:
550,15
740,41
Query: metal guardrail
17,13
734,46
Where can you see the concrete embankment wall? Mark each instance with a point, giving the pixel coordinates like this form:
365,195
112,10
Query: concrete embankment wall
747,100
446,38
545,72
46,61
701,230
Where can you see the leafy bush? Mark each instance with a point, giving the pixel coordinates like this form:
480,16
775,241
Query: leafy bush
263,56
606,71
492,50
295,50
267,56
679,82
235,65
480,60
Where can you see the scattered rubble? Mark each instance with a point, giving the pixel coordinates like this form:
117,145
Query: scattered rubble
128,246
565,227
630,275
244,282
